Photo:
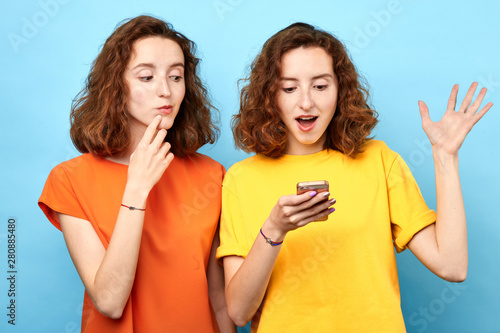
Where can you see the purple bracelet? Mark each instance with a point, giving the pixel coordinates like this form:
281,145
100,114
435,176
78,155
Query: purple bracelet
269,240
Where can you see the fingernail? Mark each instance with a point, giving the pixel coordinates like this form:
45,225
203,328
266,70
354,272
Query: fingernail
333,201
332,210
313,193
158,117
326,194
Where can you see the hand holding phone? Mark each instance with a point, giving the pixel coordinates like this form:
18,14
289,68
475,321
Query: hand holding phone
319,186
295,211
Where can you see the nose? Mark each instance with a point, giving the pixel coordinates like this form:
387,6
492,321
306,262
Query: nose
163,88
306,102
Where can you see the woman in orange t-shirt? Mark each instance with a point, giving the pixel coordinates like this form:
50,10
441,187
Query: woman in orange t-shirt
140,225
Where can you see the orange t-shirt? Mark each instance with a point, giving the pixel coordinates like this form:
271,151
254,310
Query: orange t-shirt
170,291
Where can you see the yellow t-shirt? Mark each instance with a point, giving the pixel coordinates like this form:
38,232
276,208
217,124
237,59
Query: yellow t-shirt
334,276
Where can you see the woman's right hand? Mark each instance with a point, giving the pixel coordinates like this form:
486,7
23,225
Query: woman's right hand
150,159
247,278
295,211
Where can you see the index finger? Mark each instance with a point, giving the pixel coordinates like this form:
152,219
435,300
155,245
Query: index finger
151,130
296,199
304,197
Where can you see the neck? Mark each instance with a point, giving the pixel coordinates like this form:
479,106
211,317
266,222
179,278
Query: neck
124,157
296,148
304,150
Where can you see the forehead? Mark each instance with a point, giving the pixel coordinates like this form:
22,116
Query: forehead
302,60
154,49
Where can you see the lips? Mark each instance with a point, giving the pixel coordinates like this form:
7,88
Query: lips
166,109
306,123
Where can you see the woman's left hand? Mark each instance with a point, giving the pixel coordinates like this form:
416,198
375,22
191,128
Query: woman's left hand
442,246
449,133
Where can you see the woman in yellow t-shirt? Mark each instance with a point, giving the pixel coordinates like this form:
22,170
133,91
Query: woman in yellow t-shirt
305,114
140,224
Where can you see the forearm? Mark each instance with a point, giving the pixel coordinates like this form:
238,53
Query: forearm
247,279
443,247
451,228
109,274
216,290
218,301
115,276
246,290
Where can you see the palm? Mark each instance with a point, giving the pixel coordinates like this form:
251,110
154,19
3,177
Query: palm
449,133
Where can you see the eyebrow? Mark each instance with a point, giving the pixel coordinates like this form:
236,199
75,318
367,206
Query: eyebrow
314,77
149,65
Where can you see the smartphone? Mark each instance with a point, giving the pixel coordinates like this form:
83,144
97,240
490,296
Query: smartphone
318,186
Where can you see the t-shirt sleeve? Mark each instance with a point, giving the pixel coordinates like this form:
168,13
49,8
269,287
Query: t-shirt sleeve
408,210
58,195
232,230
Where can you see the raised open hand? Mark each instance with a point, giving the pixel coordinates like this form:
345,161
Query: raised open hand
449,133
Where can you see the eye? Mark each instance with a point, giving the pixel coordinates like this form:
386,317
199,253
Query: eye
146,78
289,90
321,87
176,78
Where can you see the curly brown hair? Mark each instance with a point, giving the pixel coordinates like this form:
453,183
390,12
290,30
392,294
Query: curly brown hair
258,126
99,116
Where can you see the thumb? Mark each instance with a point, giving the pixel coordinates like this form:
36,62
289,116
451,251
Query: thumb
424,113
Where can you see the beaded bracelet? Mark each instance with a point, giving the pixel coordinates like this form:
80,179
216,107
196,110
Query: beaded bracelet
133,208
269,240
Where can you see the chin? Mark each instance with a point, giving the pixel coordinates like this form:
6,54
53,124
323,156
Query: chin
166,125
309,142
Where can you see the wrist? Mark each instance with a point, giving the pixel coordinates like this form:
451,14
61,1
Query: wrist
444,159
270,231
134,196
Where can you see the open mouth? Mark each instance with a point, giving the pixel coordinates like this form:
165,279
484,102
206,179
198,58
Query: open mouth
306,121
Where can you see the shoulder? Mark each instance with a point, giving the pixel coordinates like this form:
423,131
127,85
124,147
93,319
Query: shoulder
377,149
63,185
376,157
86,169
203,159
253,163
249,171
73,166
375,145
197,164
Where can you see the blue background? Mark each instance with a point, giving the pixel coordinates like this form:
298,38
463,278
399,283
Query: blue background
407,50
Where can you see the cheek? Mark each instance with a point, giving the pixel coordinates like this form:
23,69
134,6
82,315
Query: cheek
137,93
180,92
283,102
331,104
137,96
